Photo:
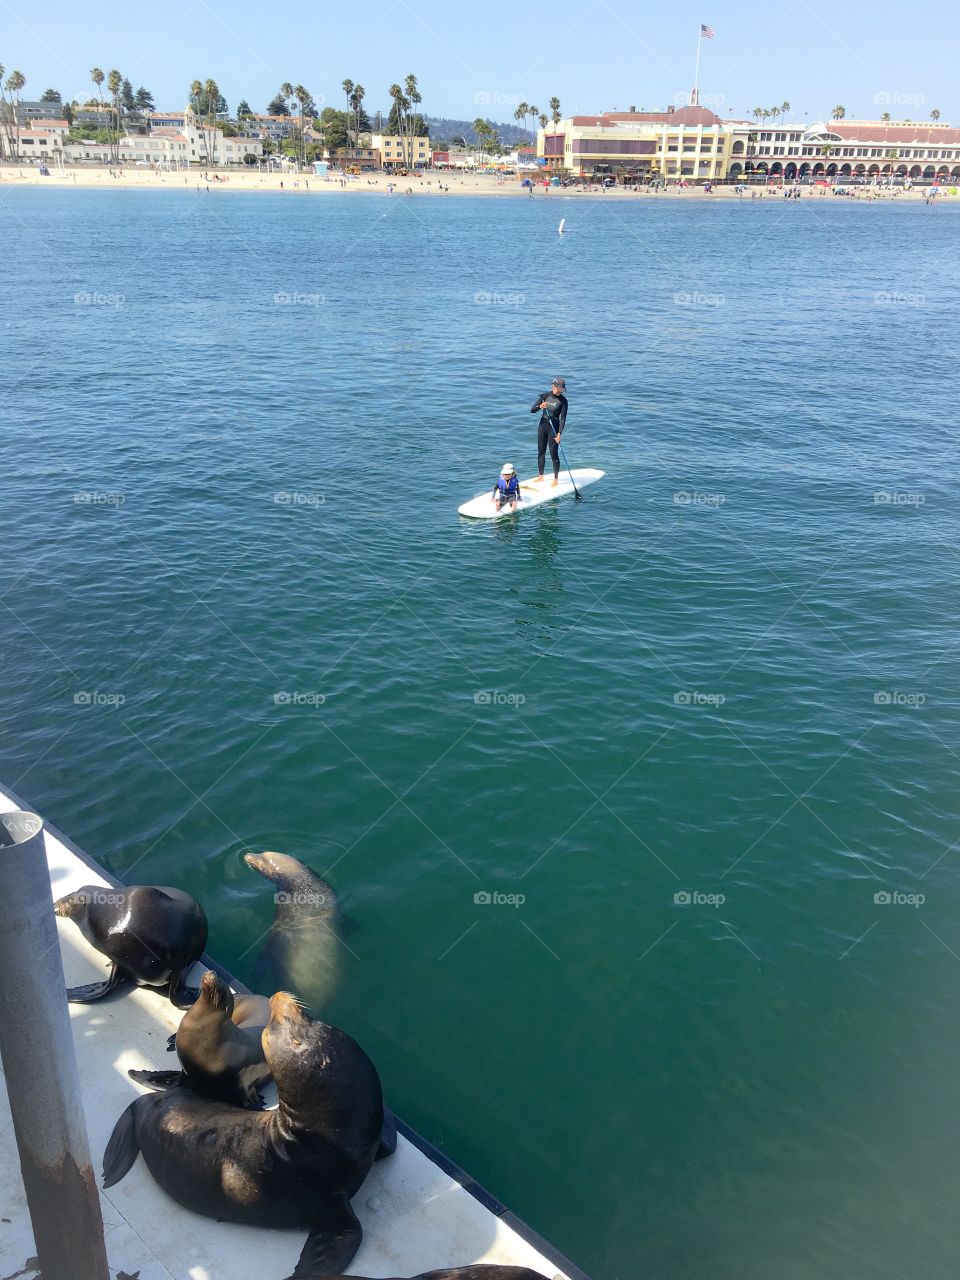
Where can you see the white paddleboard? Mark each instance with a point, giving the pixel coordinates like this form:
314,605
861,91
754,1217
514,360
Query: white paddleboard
532,493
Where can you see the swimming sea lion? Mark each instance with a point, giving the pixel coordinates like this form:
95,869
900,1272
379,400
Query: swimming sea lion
302,949
296,1166
219,1046
151,935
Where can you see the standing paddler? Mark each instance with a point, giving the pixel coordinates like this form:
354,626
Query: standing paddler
552,406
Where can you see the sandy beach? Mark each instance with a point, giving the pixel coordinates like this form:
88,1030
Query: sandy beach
429,184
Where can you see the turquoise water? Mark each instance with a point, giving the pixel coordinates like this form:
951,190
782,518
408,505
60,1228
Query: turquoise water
729,673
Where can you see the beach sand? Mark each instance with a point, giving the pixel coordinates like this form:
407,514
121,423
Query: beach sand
305,185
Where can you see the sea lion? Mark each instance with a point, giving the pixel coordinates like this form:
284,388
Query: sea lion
295,1166
301,952
219,1046
150,934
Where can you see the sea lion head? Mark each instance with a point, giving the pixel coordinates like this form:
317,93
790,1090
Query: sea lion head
215,993
293,1048
299,885
74,906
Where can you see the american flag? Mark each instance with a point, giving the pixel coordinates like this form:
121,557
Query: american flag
707,31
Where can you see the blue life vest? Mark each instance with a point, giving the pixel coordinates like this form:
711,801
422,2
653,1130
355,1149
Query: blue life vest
508,486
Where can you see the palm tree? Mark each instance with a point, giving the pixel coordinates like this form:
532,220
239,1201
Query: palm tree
414,100
544,120
534,112
555,110
757,112
14,83
115,85
885,116
839,112
934,114
303,98
521,113
785,108
481,131
97,76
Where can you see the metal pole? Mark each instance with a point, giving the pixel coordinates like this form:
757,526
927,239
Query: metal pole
40,1064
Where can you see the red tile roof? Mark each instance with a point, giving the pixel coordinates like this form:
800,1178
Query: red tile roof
905,135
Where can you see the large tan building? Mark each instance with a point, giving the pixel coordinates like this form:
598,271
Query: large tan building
851,149
682,142
398,153
695,144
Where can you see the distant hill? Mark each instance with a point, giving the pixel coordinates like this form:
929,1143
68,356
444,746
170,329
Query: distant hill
445,129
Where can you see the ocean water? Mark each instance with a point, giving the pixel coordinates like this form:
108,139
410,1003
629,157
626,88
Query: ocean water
645,808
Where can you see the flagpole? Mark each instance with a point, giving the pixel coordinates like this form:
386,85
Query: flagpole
696,75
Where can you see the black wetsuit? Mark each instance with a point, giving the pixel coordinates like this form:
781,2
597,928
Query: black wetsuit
552,421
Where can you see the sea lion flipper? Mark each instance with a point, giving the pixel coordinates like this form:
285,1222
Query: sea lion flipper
182,997
332,1245
172,1043
157,1079
122,1149
388,1136
95,990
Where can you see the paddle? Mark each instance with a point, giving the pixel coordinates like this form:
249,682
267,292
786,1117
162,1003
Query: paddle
567,465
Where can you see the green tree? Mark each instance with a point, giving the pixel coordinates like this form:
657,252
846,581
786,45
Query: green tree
521,113
243,109
555,110
885,116
934,114
126,96
51,95
205,99
14,83
143,100
115,85
277,107
839,112
785,109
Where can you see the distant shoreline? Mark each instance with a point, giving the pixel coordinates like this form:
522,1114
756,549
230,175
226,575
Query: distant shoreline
431,184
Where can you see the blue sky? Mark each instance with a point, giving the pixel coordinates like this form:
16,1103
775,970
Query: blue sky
480,60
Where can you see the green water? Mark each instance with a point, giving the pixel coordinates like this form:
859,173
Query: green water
730,672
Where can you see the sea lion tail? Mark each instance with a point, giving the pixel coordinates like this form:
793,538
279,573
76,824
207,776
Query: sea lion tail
122,1149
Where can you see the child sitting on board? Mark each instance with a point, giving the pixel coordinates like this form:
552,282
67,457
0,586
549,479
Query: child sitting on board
507,488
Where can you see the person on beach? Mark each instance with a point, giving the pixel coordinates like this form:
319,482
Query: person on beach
507,488
552,406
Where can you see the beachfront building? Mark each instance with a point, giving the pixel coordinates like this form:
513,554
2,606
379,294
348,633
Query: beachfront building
682,142
176,120
398,153
839,149
172,148
275,128
37,144
93,116
44,111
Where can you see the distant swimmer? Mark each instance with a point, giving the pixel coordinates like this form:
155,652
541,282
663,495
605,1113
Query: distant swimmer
552,406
